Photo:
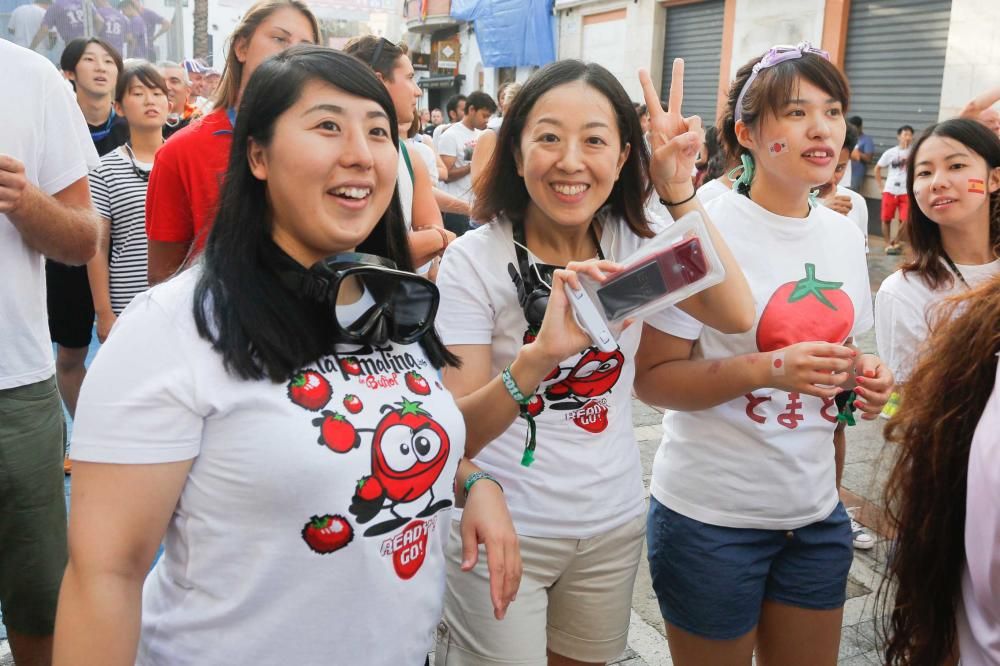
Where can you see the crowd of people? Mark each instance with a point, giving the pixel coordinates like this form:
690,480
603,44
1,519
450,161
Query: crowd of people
342,388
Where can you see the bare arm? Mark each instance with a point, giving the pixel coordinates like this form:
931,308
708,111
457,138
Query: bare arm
667,376
165,259
483,152
39,36
120,514
449,204
99,279
980,103
454,172
63,227
878,176
164,26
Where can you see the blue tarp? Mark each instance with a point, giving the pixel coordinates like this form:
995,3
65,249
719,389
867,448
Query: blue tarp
511,33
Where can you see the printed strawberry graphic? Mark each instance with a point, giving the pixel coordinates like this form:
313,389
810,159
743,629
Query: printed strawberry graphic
417,384
352,403
337,432
309,390
535,405
592,417
369,489
326,534
809,310
350,365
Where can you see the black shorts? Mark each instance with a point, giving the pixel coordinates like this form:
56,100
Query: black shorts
71,307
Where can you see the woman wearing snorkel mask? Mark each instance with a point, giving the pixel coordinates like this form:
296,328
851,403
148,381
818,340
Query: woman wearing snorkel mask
567,184
749,545
275,416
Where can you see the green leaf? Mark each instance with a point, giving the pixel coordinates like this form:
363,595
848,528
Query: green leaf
810,285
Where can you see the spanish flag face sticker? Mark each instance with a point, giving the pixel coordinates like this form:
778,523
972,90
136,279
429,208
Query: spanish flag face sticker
977,186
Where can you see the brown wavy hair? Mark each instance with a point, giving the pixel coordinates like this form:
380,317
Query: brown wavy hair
923,234
925,493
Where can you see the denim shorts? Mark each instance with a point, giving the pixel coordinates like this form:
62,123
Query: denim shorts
711,581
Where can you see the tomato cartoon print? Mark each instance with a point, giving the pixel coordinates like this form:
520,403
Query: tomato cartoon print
409,452
327,534
807,310
594,374
310,390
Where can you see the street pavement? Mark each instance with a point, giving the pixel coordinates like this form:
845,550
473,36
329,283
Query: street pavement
864,475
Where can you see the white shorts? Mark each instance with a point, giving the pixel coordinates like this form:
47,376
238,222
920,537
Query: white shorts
575,599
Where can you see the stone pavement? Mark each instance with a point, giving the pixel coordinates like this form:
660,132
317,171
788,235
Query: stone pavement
864,475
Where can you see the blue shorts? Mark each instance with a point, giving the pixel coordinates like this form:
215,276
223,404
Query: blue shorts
711,581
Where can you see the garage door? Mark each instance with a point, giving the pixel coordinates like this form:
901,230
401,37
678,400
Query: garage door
694,32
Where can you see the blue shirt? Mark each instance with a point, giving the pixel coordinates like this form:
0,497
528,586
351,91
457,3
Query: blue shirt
865,145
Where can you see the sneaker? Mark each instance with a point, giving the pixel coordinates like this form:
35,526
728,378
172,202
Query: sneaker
863,539
894,249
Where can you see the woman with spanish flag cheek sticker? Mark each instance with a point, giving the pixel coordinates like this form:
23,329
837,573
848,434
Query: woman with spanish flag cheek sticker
954,230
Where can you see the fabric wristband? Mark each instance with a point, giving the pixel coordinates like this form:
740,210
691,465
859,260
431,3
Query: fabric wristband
512,387
476,476
678,203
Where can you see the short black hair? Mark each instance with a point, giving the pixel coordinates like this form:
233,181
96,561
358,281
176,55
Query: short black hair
451,106
260,327
147,74
903,129
856,121
850,137
73,52
480,100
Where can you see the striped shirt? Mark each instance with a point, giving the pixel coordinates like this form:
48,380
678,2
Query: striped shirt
120,196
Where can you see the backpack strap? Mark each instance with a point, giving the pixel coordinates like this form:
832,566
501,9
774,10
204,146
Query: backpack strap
406,158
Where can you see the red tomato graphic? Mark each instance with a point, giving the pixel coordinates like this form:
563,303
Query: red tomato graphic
594,374
352,403
310,390
408,558
369,489
326,534
337,432
535,405
417,383
592,417
350,365
810,310
409,451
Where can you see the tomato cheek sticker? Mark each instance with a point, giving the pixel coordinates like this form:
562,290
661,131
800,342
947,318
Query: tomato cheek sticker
977,186
779,147
778,363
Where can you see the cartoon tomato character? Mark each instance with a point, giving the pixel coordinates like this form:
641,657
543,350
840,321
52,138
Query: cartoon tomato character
594,374
352,403
337,432
409,452
309,390
416,383
350,366
810,310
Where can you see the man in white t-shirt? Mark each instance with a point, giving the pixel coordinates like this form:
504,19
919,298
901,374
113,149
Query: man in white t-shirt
836,196
893,187
24,24
455,108
456,147
45,211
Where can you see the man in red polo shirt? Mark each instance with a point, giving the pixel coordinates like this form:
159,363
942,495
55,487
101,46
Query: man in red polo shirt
184,185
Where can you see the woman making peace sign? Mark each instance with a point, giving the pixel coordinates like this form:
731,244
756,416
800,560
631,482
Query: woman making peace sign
566,184
749,544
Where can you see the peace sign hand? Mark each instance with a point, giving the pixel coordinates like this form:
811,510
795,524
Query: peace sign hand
675,140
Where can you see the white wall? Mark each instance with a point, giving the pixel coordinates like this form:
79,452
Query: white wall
972,58
471,61
621,46
760,24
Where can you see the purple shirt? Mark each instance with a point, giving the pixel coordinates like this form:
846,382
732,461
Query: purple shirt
67,18
115,27
153,21
137,29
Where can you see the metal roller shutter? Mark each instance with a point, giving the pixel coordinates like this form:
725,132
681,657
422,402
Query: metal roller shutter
895,64
694,32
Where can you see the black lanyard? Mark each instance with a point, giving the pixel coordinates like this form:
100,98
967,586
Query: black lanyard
954,269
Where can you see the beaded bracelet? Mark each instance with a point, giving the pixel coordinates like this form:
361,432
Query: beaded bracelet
476,476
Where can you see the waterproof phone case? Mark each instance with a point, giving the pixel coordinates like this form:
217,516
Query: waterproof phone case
679,262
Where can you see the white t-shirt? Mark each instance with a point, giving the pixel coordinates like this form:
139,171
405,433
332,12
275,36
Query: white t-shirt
436,135
858,213
120,197
586,478
285,546
895,159
459,141
24,24
711,190
764,460
902,307
44,130
978,617
426,154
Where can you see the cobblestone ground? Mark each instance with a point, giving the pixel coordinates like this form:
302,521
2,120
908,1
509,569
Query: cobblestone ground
864,475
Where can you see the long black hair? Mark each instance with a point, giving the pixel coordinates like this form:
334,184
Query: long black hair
500,190
922,232
262,328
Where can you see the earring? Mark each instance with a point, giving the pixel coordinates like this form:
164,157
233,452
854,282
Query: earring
741,182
